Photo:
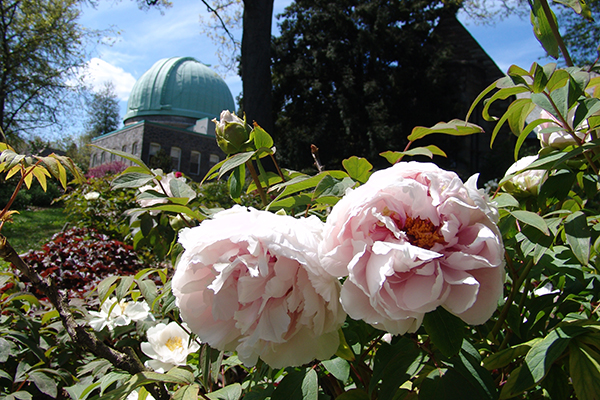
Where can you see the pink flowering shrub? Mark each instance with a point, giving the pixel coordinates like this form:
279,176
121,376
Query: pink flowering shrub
103,170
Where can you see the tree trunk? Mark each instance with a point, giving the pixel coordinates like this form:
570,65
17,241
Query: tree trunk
256,62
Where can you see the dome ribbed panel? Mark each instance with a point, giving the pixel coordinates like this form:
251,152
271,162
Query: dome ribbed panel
179,86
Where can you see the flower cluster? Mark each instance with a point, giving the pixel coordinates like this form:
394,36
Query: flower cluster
115,313
413,238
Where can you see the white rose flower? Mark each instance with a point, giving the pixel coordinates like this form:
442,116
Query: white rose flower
91,195
168,346
123,313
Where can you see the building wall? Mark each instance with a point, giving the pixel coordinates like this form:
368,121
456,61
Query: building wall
144,133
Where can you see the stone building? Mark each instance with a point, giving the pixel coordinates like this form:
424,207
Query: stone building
170,109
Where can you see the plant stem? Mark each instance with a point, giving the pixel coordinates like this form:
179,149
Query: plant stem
261,191
557,36
511,296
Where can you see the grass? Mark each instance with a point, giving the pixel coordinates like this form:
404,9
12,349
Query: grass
31,229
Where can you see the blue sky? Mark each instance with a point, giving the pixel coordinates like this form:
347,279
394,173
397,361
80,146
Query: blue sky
140,38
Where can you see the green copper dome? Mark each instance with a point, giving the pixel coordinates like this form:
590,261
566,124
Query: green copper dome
181,87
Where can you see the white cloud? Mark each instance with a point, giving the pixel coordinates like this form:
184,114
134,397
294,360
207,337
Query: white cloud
99,71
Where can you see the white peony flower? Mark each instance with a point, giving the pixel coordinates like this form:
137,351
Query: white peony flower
91,195
135,395
168,346
120,314
525,182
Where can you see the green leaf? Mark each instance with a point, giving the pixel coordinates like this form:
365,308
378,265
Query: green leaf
540,358
188,392
504,200
394,365
106,287
504,357
455,128
502,94
123,287
584,365
181,189
579,6
261,138
44,383
578,236
182,374
234,162
330,186
338,367
586,109
529,218
229,392
445,330
131,180
358,168
542,30
236,181
298,385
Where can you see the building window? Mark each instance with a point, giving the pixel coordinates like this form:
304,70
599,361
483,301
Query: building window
124,148
102,158
94,160
134,148
154,149
176,158
112,157
214,159
195,162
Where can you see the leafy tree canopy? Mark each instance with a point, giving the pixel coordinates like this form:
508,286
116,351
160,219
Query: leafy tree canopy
43,47
354,77
103,111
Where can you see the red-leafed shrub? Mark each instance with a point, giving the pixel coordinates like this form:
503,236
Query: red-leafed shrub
101,171
79,258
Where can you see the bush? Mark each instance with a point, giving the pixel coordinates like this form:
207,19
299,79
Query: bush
35,196
79,258
103,170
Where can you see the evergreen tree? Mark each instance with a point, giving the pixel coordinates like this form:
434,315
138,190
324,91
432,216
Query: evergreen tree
354,77
103,111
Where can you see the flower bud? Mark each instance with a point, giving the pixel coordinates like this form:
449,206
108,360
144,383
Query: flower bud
232,133
525,183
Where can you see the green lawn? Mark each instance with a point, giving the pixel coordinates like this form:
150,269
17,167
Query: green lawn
32,228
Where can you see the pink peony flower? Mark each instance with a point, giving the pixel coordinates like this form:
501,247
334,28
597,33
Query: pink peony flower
413,238
559,139
250,281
